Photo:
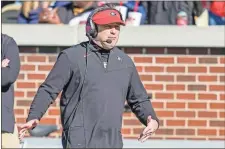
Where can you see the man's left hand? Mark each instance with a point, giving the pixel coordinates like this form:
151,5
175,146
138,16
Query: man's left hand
149,130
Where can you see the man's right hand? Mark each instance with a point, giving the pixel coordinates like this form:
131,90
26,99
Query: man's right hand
29,125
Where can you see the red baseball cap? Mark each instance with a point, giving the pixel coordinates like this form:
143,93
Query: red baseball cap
107,17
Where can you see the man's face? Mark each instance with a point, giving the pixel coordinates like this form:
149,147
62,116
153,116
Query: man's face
108,32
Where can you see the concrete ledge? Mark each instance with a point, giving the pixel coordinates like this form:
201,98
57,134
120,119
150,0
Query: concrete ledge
129,143
142,36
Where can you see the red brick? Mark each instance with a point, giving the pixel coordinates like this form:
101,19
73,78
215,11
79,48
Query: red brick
146,77
154,69
54,112
185,132
131,122
24,102
207,114
222,78
30,94
165,131
176,87
222,132
153,86
197,69
217,69
133,50
157,104
175,69
206,132
20,120
142,59
222,114
197,87
19,111
36,76
217,105
195,105
186,78
217,88
45,67
189,96
175,105
164,95
207,78
27,67
174,138
214,123
52,58
139,68
175,122
36,58
165,78
155,50
197,122
222,60
165,113
137,131
205,96
186,60
19,94
207,60
22,58
164,60
21,76
185,114
216,139
126,131
48,121
222,96
25,85
127,114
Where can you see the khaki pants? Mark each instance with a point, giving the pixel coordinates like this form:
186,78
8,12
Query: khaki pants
11,140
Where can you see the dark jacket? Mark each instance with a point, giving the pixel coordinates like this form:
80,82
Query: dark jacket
165,12
9,75
93,97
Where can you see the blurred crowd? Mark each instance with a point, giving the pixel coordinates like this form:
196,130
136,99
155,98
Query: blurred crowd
200,13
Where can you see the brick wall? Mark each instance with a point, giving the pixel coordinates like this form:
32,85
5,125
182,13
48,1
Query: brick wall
187,85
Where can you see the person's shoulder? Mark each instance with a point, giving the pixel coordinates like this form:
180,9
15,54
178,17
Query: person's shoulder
76,51
8,41
6,38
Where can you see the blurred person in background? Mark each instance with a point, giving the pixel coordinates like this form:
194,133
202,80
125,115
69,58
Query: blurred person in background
171,12
138,7
95,78
10,71
73,13
30,11
217,13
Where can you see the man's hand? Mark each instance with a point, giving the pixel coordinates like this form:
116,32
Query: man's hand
49,16
149,130
29,125
5,62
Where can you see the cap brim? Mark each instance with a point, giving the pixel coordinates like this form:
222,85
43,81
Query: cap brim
104,21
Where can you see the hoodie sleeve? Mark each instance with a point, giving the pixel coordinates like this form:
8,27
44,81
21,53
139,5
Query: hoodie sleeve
11,72
138,99
52,86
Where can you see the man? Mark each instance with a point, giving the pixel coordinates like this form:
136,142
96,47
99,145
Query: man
10,71
96,78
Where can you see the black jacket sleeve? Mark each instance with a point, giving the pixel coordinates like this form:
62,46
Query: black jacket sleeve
53,85
11,52
138,99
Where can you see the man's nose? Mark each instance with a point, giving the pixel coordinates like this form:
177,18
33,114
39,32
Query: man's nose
113,30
